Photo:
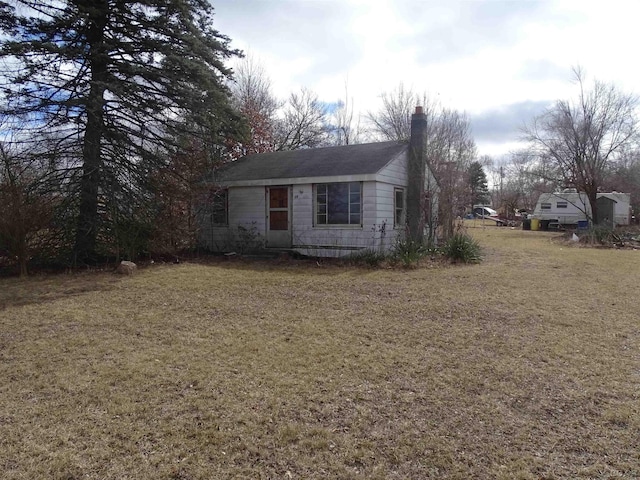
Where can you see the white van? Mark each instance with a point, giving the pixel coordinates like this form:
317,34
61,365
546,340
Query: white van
484,211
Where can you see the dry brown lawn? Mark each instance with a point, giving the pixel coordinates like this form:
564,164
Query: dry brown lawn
526,366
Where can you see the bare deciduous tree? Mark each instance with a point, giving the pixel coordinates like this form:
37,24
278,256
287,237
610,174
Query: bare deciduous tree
625,177
583,137
303,123
393,120
27,204
450,147
450,151
252,88
253,97
518,180
345,128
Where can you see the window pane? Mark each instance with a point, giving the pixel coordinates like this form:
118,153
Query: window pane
278,220
321,204
321,192
278,197
338,203
338,217
399,207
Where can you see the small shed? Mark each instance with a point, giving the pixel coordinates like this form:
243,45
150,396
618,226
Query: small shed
606,210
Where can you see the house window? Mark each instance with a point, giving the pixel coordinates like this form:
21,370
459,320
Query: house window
561,204
338,203
219,208
398,206
545,206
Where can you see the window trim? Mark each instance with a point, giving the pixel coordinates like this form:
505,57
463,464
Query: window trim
545,205
403,208
562,204
326,224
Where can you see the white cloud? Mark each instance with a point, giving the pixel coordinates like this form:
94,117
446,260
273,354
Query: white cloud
480,56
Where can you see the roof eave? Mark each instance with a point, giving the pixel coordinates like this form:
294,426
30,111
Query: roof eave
266,182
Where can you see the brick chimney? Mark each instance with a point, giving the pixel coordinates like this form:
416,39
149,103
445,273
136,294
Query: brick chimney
416,171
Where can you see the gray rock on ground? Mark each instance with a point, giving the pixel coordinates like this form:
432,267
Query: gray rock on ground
126,268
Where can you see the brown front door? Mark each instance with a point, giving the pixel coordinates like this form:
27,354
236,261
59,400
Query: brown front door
278,217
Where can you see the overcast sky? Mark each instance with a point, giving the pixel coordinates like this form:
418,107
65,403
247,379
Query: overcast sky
500,61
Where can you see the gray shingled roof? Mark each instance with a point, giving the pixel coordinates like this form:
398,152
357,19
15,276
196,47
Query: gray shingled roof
368,158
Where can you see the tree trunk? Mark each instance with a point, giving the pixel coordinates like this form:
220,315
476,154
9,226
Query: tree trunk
23,256
23,267
87,226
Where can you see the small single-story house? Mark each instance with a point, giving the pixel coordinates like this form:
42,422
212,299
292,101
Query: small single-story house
331,201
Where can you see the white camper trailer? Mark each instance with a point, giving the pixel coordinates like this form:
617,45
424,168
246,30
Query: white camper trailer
569,207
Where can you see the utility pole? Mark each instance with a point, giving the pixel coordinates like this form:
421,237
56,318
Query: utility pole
500,194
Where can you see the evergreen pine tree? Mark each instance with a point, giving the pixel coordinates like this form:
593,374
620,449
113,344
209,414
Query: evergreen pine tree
478,184
114,82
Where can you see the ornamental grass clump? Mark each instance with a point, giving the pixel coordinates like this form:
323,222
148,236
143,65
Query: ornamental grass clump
370,258
409,252
462,248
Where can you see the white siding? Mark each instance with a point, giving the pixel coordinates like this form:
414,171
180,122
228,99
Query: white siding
247,207
247,222
377,231
395,172
393,176
333,240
